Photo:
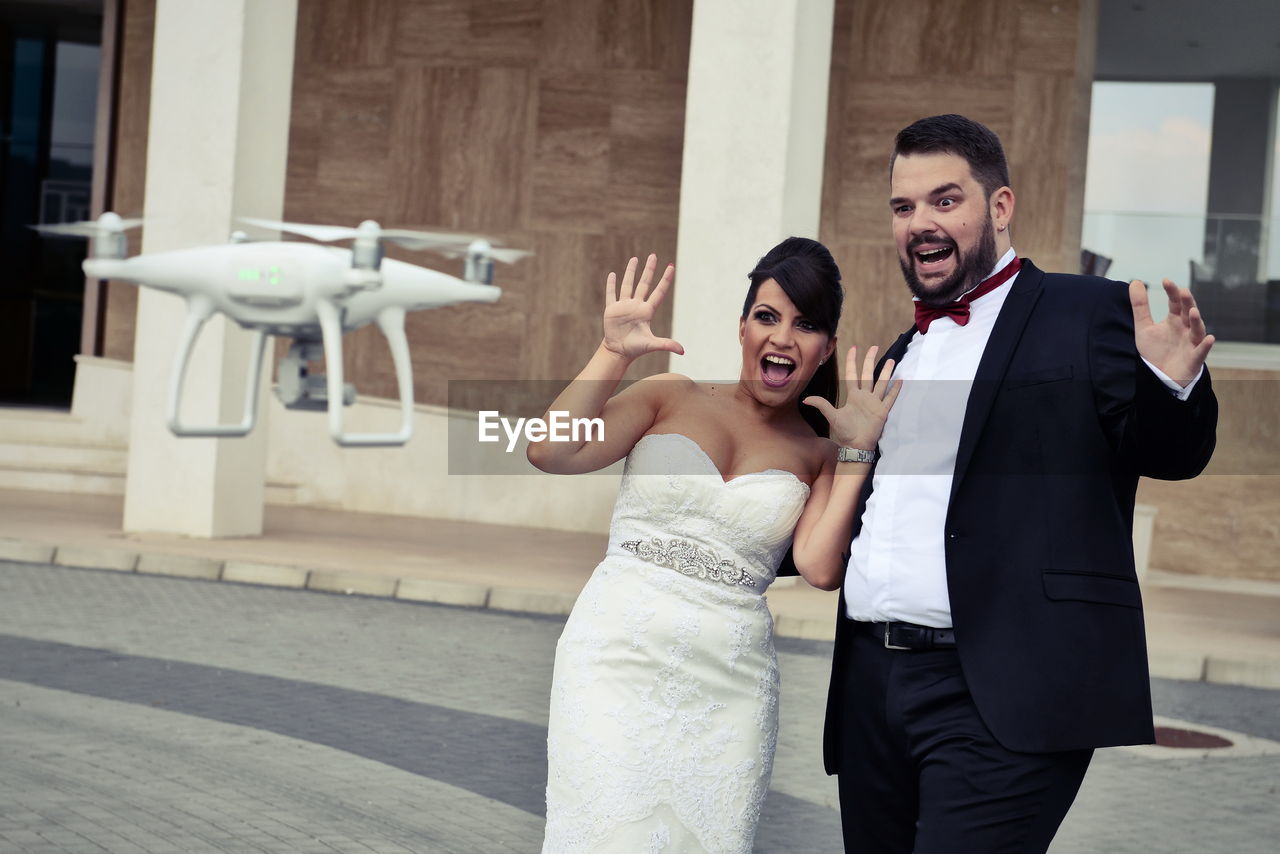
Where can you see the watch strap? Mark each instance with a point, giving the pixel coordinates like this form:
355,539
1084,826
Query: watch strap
855,455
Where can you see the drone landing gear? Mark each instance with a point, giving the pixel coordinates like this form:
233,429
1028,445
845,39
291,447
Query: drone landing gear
298,388
199,310
391,321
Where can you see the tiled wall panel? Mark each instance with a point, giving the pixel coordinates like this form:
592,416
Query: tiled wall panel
1023,68
557,125
554,125
1227,521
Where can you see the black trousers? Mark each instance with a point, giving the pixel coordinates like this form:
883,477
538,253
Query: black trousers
921,774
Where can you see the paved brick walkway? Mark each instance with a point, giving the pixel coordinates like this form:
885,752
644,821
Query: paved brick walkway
151,714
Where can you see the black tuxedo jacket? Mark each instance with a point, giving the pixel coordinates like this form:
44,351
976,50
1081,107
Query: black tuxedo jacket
1062,419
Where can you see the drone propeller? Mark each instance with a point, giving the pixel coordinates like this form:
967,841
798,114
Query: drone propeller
106,233
446,243
508,256
323,233
109,223
481,244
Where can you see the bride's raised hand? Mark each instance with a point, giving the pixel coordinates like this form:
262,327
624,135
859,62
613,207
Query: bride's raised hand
629,308
859,423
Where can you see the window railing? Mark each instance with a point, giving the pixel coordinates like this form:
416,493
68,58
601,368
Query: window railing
1231,263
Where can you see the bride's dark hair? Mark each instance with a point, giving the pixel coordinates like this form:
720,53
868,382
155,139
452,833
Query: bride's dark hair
808,275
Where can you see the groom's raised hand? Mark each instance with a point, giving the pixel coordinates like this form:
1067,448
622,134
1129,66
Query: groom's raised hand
1179,345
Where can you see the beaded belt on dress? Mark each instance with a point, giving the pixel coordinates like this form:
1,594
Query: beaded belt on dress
686,558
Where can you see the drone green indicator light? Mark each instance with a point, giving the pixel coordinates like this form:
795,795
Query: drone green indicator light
249,275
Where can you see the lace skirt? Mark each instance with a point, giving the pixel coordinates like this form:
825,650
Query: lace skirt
664,715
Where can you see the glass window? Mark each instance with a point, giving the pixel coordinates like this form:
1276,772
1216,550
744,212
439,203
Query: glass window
49,58
1147,182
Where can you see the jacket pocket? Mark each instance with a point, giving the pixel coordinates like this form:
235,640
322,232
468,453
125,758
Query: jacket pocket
1091,587
1044,375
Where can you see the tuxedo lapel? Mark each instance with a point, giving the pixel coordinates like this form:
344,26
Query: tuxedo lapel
995,362
896,350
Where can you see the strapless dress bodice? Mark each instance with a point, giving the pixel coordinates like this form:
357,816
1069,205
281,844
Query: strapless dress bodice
676,510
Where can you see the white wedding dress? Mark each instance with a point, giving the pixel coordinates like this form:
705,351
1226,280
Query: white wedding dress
664,701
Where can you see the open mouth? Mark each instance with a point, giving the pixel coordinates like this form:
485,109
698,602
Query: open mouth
776,370
933,255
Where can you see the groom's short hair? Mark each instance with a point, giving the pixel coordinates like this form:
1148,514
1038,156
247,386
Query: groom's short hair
963,137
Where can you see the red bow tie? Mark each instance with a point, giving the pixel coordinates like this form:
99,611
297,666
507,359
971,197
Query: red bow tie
959,309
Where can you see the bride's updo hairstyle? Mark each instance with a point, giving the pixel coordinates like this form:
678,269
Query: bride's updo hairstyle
808,275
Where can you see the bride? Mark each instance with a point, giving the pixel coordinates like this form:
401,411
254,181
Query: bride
664,699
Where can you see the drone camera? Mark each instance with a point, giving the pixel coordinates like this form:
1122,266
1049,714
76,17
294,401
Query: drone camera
311,394
298,388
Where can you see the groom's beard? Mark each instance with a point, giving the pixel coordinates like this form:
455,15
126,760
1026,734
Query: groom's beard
970,270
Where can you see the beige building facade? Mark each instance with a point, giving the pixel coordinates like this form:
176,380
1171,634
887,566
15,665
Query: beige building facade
589,131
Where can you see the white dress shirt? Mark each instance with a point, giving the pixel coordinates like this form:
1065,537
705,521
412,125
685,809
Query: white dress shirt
897,568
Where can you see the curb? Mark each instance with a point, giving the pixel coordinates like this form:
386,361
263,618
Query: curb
179,566
1170,664
1255,673
344,581
268,575
91,558
1164,664
24,552
443,592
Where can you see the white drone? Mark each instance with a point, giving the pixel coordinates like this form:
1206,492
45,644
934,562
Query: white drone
312,294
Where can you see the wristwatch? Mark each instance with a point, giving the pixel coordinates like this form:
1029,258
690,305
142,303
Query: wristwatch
855,455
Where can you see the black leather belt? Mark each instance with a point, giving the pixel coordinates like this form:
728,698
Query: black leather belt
910,636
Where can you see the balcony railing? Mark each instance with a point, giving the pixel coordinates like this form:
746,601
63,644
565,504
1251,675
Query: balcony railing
1231,263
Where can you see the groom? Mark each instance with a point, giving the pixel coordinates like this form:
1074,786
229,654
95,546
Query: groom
990,630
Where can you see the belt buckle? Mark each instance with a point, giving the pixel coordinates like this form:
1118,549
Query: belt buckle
888,645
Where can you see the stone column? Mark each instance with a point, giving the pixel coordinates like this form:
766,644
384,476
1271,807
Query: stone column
755,130
217,147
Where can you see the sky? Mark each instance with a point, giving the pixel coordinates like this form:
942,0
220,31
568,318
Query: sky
1147,181
1149,148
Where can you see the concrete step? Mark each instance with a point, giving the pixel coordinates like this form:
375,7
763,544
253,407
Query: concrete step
52,451
47,427
279,493
88,482
54,480
69,457
41,425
